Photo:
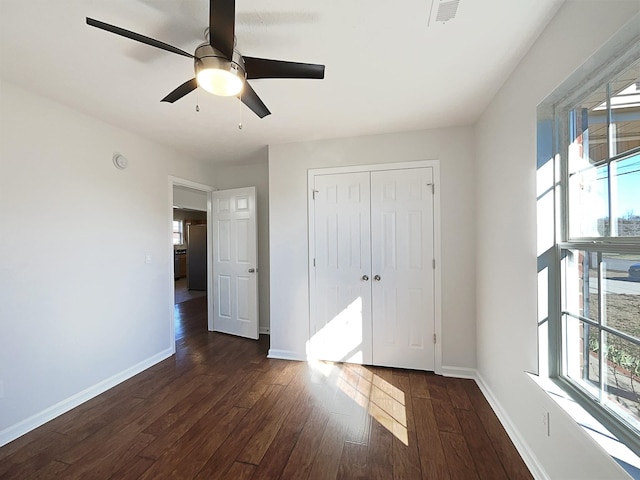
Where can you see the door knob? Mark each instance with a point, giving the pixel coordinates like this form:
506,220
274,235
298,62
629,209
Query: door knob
377,278
252,270
365,278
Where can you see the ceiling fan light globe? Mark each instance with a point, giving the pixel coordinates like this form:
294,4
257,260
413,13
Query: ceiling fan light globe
225,83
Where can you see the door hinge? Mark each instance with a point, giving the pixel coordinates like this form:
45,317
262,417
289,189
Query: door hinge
313,193
433,188
434,338
434,263
314,263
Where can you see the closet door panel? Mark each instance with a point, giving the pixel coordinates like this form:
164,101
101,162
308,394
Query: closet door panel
402,249
340,327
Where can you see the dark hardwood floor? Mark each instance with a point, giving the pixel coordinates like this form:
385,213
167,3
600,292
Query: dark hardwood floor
219,409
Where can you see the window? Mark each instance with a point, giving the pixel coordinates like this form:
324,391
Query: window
589,243
178,238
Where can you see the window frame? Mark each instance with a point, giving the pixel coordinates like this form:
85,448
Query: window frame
180,231
556,109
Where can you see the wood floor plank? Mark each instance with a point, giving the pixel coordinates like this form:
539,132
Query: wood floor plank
35,454
217,466
380,458
445,416
354,464
437,386
101,419
174,393
406,457
54,469
133,469
458,394
419,387
277,455
480,446
432,459
260,441
112,434
326,463
241,471
178,411
118,451
513,464
302,456
459,460
187,455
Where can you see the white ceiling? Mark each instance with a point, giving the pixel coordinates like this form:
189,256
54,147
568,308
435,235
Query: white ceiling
388,68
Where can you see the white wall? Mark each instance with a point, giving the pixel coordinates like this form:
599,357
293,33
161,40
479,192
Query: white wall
184,197
288,165
254,174
79,306
506,226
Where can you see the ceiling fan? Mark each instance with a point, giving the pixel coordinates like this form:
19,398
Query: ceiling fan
220,68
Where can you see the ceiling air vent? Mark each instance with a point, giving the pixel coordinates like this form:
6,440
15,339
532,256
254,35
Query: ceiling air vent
446,10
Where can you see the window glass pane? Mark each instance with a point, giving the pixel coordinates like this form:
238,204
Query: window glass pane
588,132
580,283
621,290
622,384
625,111
589,202
625,196
581,353
177,232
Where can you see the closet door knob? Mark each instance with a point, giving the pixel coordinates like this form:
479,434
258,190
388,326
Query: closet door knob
365,278
377,278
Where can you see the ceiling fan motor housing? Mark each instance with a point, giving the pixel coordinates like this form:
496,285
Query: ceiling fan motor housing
208,57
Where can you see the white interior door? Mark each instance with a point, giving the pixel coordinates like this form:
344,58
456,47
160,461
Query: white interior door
402,224
341,301
235,262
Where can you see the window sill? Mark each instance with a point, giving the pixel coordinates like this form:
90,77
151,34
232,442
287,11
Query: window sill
626,458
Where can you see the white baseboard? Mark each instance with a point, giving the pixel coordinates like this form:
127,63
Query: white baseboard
285,355
458,372
519,442
17,430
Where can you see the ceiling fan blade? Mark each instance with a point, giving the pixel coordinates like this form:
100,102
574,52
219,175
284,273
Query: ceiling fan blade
222,19
181,91
265,68
251,99
136,36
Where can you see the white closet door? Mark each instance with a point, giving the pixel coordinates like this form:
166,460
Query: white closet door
340,327
402,258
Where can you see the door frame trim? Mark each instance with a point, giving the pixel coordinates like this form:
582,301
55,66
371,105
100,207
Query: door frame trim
182,182
435,165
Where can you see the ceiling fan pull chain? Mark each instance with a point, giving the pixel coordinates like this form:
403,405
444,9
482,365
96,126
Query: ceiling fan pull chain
240,112
197,100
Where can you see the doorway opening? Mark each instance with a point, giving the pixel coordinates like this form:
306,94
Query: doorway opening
190,249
